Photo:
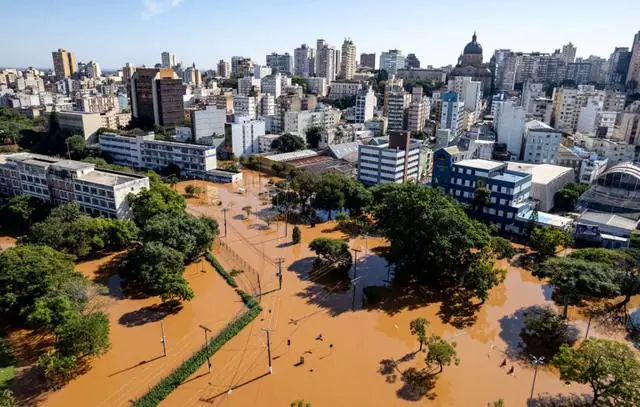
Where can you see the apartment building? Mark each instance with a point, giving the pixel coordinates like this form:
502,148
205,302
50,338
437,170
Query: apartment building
396,161
146,152
418,110
317,86
368,60
64,63
272,84
86,124
207,122
59,181
348,62
249,85
391,61
156,97
541,143
344,89
298,122
245,106
365,104
280,63
452,115
245,135
396,105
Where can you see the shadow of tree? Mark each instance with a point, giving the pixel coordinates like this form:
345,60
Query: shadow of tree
418,384
152,313
458,309
510,328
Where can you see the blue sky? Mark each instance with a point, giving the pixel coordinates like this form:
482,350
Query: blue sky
113,32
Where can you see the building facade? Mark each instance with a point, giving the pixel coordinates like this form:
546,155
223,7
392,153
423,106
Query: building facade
541,143
397,161
157,97
245,135
281,63
64,63
391,61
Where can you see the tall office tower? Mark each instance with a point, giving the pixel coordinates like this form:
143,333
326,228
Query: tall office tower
418,110
92,69
348,63
302,60
156,97
127,72
320,43
452,115
618,68
223,69
241,65
336,63
368,60
568,53
168,59
412,61
325,62
509,125
391,61
633,75
396,104
64,63
281,63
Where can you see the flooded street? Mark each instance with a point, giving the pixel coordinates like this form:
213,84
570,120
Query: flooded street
361,355
7,242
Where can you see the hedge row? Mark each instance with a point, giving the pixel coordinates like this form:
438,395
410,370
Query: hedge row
161,390
216,265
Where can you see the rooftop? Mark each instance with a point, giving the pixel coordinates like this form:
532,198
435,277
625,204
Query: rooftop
479,164
541,173
108,178
547,219
537,125
609,219
294,155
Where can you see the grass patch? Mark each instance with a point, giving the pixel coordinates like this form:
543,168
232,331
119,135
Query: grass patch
7,362
161,390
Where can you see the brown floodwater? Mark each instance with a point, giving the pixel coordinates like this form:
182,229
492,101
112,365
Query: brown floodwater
7,242
361,355
135,361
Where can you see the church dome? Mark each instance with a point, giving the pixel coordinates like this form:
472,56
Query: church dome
473,47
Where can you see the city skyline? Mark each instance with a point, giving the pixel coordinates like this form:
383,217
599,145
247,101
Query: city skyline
153,26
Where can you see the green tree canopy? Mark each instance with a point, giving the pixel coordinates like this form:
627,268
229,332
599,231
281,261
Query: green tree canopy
314,136
183,232
295,235
158,199
288,143
576,279
21,212
418,328
609,367
545,241
502,247
441,353
331,252
545,331
566,199
157,270
85,335
77,146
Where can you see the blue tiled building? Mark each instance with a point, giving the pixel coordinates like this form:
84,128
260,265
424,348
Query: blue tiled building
510,191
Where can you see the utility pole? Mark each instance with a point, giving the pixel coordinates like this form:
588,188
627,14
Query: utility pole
224,211
66,141
268,331
355,276
279,263
586,335
163,340
206,342
535,361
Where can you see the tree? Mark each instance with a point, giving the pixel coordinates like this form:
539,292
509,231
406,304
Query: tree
357,197
7,399
545,241
576,279
300,403
418,328
431,237
481,277
481,198
158,199
566,199
502,247
300,81
21,212
331,253
77,146
84,335
330,192
57,369
314,136
35,281
183,232
173,180
609,367
157,270
296,235
190,190
288,143
441,353
247,210
545,331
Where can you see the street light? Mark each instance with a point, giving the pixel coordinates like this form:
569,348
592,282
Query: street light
535,361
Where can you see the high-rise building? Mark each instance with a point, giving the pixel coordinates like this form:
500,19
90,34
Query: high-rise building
578,72
633,74
156,97
567,103
325,62
452,115
365,104
412,62
223,69
320,43
348,62
168,59
568,54
418,110
241,65
541,143
391,61
127,72
368,60
302,57
280,63
398,161
272,84
618,68
530,92
92,70
64,63
396,104
509,125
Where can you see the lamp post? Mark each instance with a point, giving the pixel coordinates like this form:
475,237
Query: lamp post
535,361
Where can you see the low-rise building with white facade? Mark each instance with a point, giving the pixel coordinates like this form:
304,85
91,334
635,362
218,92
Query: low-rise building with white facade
59,181
245,135
546,181
207,122
541,143
265,141
317,85
245,106
509,125
397,161
344,89
86,124
591,168
297,123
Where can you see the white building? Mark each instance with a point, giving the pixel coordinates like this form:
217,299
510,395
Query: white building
247,84
541,143
317,85
86,124
272,84
391,61
452,114
397,161
97,103
530,92
261,71
509,124
546,181
615,151
344,89
365,104
593,119
567,104
264,142
208,122
397,102
245,106
267,105
591,168
418,110
59,181
146,152
297,123
245,135
348,63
